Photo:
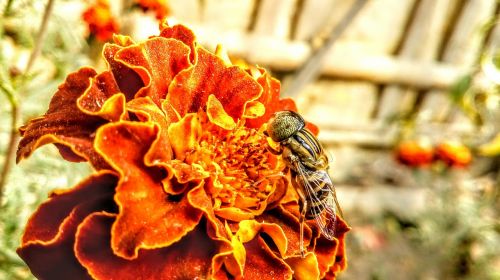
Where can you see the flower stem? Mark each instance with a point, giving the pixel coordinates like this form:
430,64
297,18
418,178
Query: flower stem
8,6
40,37
13,136
11,95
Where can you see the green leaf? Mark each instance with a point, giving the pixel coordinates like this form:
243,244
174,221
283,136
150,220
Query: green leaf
460,88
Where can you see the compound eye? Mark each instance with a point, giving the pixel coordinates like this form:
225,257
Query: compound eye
284,124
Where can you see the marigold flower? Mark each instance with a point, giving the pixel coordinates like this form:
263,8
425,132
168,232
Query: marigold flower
184,187
159,7
453,154
100,21
414,153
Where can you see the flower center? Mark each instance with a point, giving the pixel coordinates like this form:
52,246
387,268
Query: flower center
243,173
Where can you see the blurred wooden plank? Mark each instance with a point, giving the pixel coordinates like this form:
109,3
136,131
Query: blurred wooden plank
425,35
186,11
372,33
282,55
375,200
345,102
387,69
227,14
274,18
376,134
318,15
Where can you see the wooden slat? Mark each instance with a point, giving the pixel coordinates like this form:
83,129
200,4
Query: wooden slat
338,101
378,135
422,43
275,18
227,14
375,200
281,55
318,15
186,11
462,50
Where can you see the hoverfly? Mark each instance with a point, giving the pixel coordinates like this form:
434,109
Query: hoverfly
308,166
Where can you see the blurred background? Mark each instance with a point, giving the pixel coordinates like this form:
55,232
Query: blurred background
406,94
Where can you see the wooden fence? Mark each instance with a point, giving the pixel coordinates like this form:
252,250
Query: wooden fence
395,57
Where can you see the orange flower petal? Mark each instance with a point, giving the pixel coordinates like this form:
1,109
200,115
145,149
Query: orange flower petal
290,226
127,79
49,236
254,110
232,86
190,258
331,253
269,98
304,268
102,99
146,213
65,124
122,40
231,253
147,111
184,135
181,176
217,115
156,61
181,33
43,225
312,128
250,228
262,264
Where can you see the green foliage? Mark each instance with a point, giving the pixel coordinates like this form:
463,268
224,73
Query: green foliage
30,182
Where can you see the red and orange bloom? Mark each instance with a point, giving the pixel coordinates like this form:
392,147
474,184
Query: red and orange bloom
184,187
101,23
453,154
414,153
159,7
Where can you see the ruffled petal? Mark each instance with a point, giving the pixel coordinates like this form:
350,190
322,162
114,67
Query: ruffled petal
232,86
290,226
248,229
304,268
190,258
127,79
147,111
65,124
217,115
261,263
231,254
148,217
43,225
48,240
102,98
181,33
156,61
185,135
331,253
269,98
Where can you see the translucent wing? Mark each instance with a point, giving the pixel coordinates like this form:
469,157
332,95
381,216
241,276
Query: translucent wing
320,196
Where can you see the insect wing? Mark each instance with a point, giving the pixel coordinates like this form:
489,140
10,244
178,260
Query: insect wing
323,209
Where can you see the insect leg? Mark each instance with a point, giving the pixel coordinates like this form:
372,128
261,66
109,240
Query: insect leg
302,220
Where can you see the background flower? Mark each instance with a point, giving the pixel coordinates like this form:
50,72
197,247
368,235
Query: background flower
100,20
414,153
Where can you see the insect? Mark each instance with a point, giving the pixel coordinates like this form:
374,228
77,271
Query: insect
308,166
